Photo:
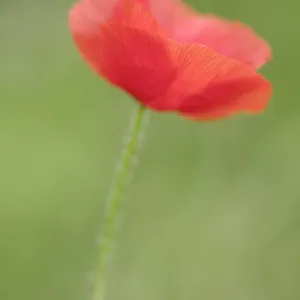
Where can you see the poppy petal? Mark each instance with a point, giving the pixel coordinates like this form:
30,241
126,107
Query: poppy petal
246,93
131,54
232,39
199,67
168,13
88,14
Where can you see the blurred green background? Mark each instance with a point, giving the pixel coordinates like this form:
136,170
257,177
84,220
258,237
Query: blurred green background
213,211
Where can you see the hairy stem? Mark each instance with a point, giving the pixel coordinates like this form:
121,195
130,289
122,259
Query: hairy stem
114,201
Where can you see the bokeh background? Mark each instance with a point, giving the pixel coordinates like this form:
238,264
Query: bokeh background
213,211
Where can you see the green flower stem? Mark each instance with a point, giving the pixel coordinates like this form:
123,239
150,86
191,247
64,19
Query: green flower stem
114,201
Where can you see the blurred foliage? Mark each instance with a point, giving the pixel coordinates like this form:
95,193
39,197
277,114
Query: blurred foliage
213,211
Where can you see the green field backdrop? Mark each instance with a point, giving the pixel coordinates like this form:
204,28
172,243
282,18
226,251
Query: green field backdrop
213,211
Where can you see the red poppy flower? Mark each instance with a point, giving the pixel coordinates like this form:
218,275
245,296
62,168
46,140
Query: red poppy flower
169,58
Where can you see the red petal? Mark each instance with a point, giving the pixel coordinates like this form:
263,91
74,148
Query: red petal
232,39
198,66
87,15
131,53
169,13
229,93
